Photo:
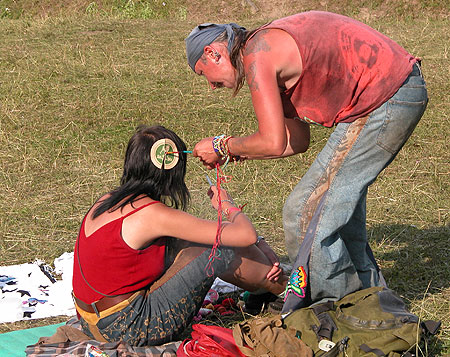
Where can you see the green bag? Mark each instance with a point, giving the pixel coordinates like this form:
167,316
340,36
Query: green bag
369,322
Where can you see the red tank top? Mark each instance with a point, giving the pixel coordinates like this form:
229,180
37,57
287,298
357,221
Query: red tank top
349,69
110,265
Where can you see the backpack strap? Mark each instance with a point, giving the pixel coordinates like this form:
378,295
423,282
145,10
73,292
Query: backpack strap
375,351
327,326
431,326
380,353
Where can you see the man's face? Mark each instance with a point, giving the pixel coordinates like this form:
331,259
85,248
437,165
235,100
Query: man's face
215,65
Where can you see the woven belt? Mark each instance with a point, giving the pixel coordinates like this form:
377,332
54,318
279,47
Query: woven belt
104,303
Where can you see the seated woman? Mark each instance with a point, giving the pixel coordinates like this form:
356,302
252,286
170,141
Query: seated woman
126,286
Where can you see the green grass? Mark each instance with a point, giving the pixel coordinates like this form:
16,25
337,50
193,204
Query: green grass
74,86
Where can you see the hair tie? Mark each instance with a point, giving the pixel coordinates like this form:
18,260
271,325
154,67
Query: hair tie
164,154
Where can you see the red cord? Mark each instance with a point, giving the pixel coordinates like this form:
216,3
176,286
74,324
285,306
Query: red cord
215,252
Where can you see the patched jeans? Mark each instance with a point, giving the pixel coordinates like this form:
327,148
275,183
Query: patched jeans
324,217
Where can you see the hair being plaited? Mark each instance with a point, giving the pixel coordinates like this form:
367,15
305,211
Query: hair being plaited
142,178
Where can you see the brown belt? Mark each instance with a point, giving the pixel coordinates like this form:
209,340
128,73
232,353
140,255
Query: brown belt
105,302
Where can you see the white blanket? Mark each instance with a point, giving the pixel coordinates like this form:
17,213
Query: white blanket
30,291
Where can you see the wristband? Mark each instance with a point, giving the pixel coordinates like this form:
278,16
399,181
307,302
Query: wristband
218,144
226,145
221,148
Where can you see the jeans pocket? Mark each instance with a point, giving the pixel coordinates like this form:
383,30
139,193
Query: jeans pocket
400,121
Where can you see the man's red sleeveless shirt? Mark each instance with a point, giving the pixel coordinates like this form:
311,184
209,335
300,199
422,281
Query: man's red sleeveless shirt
349,69
110,265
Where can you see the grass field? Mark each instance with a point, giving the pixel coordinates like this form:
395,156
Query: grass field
75,81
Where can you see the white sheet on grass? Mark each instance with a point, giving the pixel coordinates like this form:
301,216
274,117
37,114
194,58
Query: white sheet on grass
21,284
27,281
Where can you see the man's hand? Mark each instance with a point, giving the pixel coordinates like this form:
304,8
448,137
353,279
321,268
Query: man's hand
205,152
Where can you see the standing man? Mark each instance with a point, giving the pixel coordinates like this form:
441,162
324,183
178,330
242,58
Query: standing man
317,68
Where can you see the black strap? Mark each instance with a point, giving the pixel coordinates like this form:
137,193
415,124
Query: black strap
431,326
77,248
376,351
326,306
338,349
84,278
327,325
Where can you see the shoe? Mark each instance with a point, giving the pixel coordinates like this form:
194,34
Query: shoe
256,304
276,306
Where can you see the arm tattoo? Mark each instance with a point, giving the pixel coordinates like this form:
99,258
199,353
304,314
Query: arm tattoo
251,77
256,44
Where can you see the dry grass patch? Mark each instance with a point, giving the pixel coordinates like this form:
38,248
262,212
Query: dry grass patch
74,89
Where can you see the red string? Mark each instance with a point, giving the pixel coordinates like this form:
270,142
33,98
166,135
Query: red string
215,251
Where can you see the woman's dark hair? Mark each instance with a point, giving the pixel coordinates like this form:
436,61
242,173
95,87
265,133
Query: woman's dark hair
141,177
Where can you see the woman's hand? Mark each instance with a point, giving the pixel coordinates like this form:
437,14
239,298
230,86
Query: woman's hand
205,152
276,271
213,195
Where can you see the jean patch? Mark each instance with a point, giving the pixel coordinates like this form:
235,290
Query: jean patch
297,283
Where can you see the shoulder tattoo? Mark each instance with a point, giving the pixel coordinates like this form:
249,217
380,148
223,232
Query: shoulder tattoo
257,44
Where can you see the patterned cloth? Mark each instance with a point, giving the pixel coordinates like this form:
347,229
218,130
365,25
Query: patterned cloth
62,343
116,349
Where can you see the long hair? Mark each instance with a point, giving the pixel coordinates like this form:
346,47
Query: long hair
141,177
240,39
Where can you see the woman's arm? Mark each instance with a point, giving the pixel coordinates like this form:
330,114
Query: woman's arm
160,220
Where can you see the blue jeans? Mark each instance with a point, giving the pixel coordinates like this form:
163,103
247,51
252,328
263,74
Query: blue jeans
325,215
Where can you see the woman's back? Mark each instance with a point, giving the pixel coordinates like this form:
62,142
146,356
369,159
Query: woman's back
111,262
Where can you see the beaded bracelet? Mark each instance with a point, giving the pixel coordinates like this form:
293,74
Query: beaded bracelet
222,149
218,144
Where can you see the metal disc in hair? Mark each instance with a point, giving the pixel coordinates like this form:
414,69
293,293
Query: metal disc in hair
164,154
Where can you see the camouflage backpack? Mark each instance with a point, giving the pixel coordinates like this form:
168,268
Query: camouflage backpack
369,322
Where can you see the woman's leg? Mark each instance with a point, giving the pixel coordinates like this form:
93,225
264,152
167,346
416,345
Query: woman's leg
176,297
171,302
249,270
